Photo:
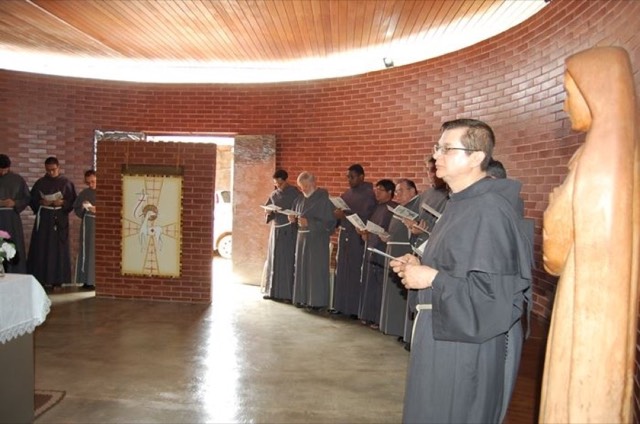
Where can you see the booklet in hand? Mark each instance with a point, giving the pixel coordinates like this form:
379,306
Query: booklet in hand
51,197
374,228
386,255
429,209
339,203
357,222
288,212
402,212
271,207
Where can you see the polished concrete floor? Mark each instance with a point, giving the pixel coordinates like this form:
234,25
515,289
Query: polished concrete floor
241,359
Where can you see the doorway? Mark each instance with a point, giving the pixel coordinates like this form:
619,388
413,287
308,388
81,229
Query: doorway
243,169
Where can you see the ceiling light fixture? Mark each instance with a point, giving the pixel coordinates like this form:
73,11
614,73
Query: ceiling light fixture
388,63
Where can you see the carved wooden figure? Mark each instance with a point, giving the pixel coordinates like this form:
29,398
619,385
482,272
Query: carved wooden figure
591,240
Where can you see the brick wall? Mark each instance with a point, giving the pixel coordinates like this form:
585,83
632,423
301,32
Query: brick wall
385,120
198,184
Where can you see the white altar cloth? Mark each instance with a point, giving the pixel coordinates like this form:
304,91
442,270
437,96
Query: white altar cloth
23,305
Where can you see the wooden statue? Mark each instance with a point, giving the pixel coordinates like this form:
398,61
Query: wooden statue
591,240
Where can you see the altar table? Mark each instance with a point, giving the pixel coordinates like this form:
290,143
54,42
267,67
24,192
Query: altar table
23,306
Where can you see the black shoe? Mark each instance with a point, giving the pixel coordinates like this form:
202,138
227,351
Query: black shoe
266,297
407,347
88,287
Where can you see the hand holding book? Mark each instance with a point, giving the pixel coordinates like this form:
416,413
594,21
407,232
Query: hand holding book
339,203
357,222
403,213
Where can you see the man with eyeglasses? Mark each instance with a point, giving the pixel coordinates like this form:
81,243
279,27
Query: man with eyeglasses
373,267
52,198
435,198
472,283
393,313
432,200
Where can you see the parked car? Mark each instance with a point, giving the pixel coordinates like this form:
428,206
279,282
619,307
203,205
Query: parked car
222,223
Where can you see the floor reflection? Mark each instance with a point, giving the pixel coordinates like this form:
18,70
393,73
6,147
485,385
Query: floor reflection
240,359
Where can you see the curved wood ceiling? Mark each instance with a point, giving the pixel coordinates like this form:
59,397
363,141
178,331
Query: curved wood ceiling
246,36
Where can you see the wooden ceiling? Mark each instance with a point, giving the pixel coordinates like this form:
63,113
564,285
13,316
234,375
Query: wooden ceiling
244,31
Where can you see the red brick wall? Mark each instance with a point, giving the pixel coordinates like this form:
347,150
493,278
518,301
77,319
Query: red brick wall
385,120
198,185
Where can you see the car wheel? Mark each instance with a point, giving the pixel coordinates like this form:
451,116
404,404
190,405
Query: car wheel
224,246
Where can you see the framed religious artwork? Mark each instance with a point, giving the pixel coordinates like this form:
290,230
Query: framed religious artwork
151,220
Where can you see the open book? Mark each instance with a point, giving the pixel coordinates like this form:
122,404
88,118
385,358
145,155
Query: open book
430,210
339,203
374,228
288,212
401,212
424,230
419,251
357,222
51,197
278,209
271,207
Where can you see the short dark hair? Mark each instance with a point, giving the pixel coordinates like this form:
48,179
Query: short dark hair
495,169
388,185
89,172
479,137
51,160
281,174
5,162
357,168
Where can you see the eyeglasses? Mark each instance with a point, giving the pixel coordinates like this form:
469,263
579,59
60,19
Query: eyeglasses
445,149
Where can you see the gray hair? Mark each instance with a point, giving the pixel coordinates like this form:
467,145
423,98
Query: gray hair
306,177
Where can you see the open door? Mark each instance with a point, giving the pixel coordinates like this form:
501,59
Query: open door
253,165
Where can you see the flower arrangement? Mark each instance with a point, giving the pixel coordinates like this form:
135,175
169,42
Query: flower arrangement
7,248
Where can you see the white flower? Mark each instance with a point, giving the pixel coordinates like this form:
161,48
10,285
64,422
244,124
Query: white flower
7,250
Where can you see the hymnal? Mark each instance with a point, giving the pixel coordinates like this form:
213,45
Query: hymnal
402,212
339,203
374,228
430,210
357,222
